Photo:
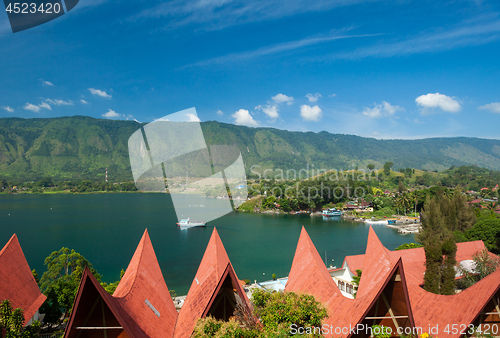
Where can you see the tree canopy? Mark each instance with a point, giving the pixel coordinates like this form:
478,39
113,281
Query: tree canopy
278,312
61,280
11,323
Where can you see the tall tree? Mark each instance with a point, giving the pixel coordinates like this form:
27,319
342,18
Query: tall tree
432,236
442,215
401,186
387,168
60,282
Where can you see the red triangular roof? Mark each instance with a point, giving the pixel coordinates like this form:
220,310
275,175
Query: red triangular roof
414,259
310,275
213,270
143,283
428,308
377,264
16,280
86,301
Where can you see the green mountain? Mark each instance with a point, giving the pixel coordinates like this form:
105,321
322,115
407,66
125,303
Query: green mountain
81,147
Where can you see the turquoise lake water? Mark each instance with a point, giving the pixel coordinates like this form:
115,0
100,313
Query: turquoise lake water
106,228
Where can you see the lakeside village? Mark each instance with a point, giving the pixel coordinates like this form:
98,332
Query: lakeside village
450,277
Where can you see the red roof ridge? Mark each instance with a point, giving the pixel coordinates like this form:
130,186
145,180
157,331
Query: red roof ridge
307,268
12,238
376,264
309,275
476,297
213,270
143,293
128,279
16,280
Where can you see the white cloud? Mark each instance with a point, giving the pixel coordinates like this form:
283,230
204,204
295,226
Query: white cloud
9,109
32,107
269,110
243,117
45,105
333,95
281,98
313,97
309,113
47,83
192,118
417,121
381,110
219,112
492,107
60,102
111,113
84,102
161,119
98,92
436,100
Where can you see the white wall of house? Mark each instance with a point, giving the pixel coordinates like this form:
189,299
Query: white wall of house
343,279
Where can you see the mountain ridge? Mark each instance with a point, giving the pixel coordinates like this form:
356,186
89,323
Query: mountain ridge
81,147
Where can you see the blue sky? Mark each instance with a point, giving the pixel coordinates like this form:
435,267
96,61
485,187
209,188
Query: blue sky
383,69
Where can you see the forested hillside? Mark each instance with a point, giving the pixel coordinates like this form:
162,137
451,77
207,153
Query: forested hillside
81,147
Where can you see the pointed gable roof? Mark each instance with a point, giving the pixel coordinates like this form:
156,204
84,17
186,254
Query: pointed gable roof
464,307
144,295
310,275
377,264
96,308
213,271
428,308
16,280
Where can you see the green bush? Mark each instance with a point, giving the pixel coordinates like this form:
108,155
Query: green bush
409,246
278,312
487,230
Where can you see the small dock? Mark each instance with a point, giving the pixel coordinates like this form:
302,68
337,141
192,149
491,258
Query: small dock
413,228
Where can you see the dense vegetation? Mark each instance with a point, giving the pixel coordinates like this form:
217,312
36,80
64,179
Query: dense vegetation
401,192
81,147
61,280
12,320
276,314
442,215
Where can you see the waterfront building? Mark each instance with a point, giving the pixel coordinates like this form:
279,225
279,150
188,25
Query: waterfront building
383,299
17,283
141,305
414,262
390,291
215,290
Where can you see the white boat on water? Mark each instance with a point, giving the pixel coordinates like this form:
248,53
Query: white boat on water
382,222
187,223
332,212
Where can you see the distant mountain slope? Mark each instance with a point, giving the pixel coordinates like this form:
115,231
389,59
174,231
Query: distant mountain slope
81,147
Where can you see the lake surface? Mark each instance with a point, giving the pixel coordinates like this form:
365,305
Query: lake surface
106,228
